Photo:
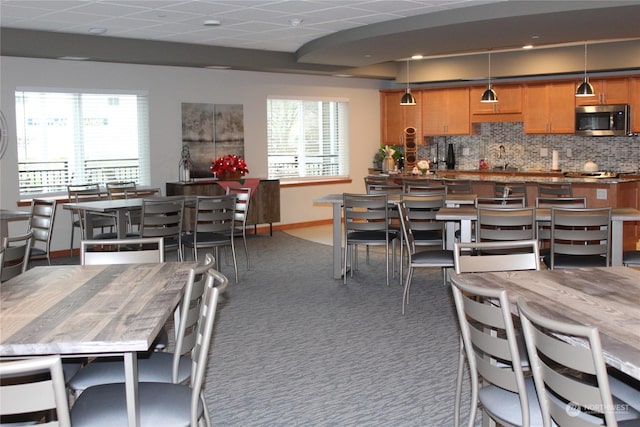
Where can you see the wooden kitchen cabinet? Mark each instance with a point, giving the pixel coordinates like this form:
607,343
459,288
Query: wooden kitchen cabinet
607,91
395,118
446,111
634,101
509,100
549,108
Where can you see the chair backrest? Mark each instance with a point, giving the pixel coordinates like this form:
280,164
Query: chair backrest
189,312
407,231
216,283
585,231
116,189
477,257
420,184
43,213
14,255
124,251
365,212
488,336
566,202
384,189
36,385
421,210
162,217
458,186
74,189
510,189
374,180
215,214
500,202
499,224
243,197
555,189
559,370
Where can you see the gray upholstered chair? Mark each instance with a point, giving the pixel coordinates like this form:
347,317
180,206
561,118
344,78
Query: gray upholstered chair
214,222
432,258
572,383
36,387
160,404
14,255
158,366
631,258
76,216
510,189
478,257
162,217
580,238
495,360
43,213
366,223
243,199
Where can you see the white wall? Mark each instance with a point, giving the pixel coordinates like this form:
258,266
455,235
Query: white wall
168,87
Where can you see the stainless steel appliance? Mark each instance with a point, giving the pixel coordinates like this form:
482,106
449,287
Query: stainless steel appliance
603,120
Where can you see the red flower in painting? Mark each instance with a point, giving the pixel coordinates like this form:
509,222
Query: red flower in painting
229,163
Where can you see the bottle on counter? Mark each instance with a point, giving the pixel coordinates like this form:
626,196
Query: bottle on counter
451,158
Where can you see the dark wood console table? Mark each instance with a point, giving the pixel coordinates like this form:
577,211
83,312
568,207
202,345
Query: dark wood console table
264,207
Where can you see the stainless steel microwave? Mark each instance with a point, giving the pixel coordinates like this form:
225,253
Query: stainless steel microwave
603,120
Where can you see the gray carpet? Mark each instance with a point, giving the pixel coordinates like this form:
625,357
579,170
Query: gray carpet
293,347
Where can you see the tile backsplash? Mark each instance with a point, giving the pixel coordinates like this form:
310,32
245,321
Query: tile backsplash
619,154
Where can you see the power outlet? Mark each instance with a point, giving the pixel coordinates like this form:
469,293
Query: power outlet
465,151
569,152
601,194
544,152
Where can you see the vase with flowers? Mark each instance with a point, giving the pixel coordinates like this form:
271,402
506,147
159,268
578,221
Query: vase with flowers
229,167
423,165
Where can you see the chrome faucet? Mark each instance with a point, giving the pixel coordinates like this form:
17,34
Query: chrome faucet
502,154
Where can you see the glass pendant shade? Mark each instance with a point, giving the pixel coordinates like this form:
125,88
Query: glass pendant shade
489,95
407,99
585,88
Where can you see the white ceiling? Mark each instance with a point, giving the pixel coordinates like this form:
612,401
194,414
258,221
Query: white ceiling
249,24
356,37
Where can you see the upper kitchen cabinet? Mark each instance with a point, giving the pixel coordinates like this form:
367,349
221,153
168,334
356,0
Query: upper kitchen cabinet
549,108
445,111
395,118
607,91
634,101
507,109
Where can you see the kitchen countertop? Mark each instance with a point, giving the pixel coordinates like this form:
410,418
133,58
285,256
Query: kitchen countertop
516,176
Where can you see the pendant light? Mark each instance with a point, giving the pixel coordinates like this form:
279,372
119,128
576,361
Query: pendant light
407,98
489,95
585,88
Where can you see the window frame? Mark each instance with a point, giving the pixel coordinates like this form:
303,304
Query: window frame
142,162
342,144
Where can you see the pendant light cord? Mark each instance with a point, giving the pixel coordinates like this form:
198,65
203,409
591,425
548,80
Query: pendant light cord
585,61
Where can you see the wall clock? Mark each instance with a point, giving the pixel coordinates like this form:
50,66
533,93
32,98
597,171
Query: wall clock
4,140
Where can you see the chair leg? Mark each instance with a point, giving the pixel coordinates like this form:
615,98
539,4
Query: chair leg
458,397
407,285
246,251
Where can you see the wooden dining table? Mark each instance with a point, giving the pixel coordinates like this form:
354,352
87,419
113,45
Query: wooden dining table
466,215
115,207
335,200
7,215
82,311
605,297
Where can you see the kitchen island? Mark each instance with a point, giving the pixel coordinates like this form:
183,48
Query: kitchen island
620,192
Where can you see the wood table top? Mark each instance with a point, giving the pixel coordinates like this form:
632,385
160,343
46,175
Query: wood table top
99,309
607,298
542,214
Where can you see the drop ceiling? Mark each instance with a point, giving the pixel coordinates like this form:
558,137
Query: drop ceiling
328,37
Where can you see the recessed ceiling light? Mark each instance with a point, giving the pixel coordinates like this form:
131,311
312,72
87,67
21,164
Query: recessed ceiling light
73,58
417,57
342,75
527,46
295,22
97,30
211,23
218,67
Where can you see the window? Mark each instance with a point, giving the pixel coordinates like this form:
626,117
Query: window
307,138
70,138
